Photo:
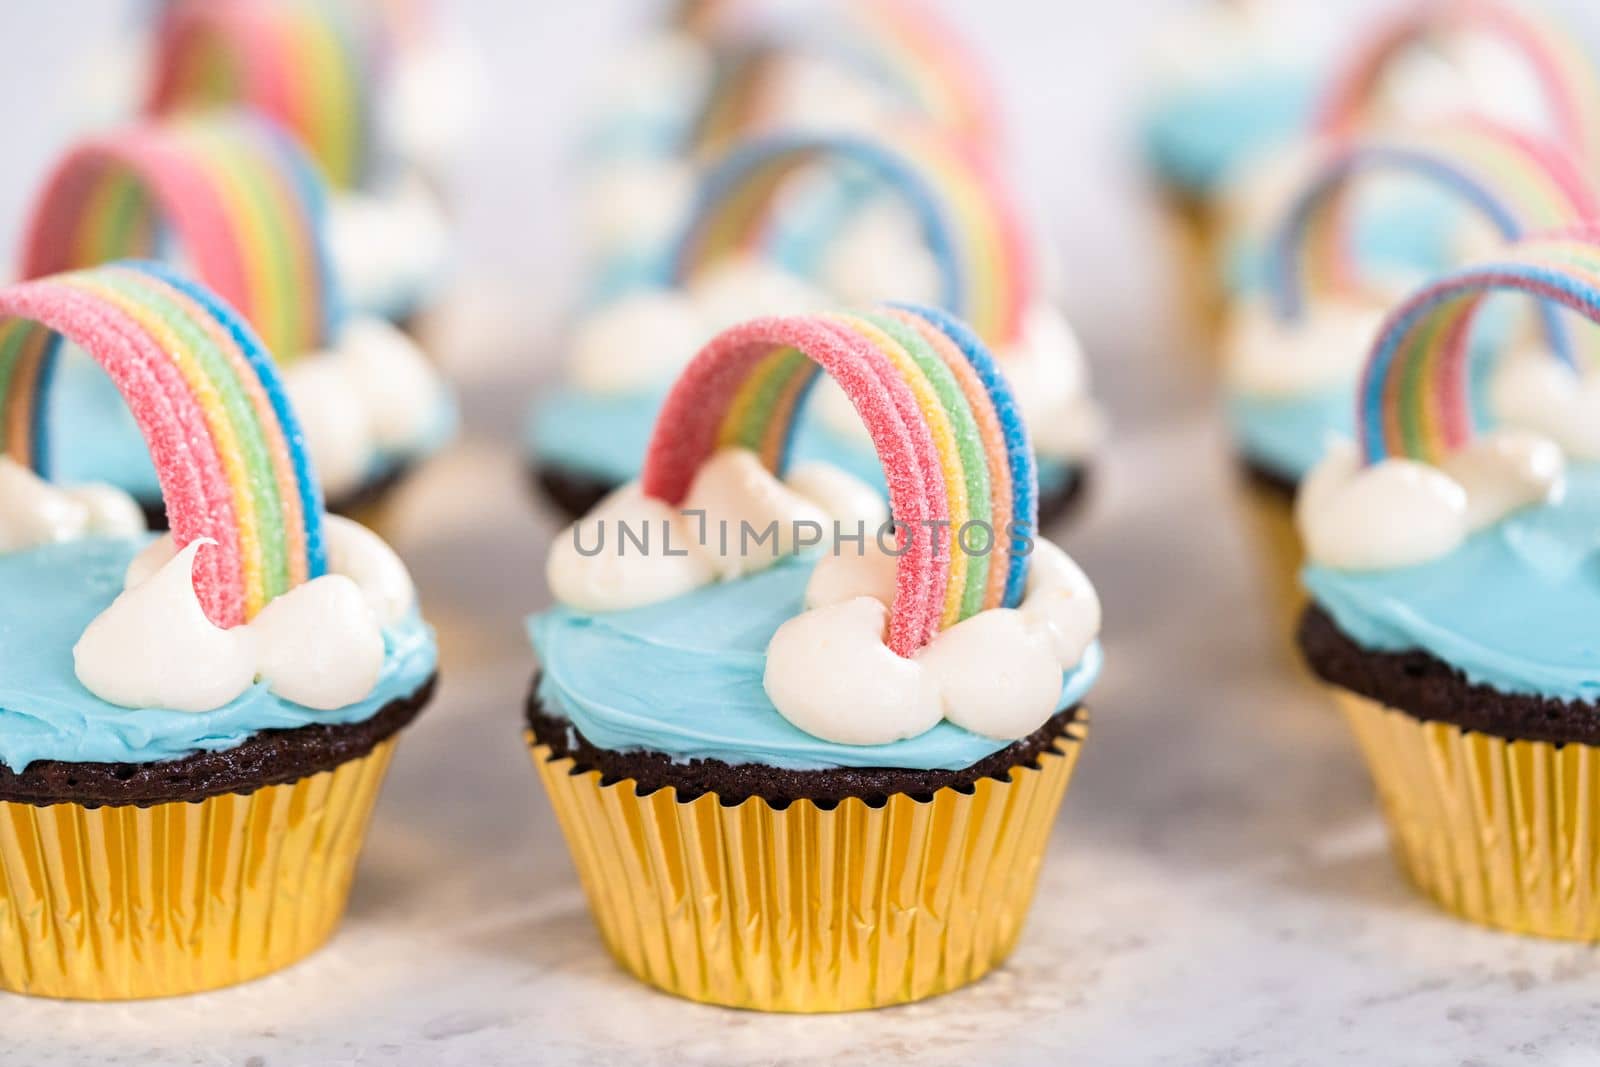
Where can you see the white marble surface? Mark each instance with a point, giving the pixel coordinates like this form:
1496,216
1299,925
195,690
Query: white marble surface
1218,890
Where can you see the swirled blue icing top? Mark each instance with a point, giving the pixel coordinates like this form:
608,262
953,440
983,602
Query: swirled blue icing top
1514,607
93,437
1197,136
1287,435
49,595
605,436
684,678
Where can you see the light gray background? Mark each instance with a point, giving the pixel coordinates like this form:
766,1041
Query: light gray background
1219,890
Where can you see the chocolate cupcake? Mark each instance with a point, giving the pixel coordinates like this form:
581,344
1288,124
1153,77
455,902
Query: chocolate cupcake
1453,586
193,728
1294,351
851,735
235,199
790,223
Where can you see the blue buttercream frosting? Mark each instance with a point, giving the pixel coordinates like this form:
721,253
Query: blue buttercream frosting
1514,607
684,678
1287,435
605,436
1196,137
51,594
93,437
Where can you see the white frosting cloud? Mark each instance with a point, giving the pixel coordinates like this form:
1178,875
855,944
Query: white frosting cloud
1466,73
644,339
997,673
636,203
1267,356
1533,390
319,645
882,255
666,71
34,512
593,566
1399,512
374,393
388,245
435,100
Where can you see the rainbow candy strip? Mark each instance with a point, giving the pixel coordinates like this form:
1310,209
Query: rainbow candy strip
941,416
1416,397
1566,72
915,50
900,45
307,64
242,201
226,446
1519,183
966,217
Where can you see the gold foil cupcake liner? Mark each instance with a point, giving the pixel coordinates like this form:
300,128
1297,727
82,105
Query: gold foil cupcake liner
1269,513
1503,833
117,903
807,909
1195,235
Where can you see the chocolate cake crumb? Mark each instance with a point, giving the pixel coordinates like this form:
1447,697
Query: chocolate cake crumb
734,783
1431,690
270,757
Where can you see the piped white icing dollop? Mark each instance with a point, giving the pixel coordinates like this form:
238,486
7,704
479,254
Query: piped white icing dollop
881,255
34,512
319,645
1465,73
389,246
1401,512
633,550
1533,390
373,394
644,339
636,203
830,672
435,100
1266,355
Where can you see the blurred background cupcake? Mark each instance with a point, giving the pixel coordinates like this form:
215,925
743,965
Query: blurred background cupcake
790,223
1294,349
1228,83
231,198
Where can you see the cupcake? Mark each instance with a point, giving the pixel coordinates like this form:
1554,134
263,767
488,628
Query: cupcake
720,73
1452,585
851,738
193,728
359,119
788,224
1228,83
1294,353
233,199
1431,64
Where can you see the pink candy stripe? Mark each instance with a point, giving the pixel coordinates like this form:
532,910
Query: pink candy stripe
186,198
193,483
687,429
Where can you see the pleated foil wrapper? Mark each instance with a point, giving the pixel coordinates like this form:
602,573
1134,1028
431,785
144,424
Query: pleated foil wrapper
1194,237
1269,514
120,903
1503,833
807,909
